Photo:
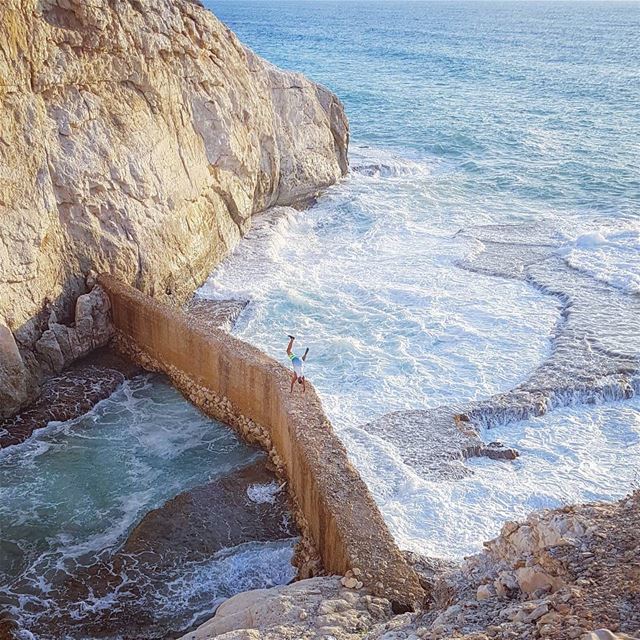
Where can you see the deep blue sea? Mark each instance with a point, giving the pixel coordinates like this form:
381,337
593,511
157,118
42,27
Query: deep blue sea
531,104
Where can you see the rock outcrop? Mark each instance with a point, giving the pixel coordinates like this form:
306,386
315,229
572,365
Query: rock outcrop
594,357
48,346
243,506
70,394
570,573
313,608
138,137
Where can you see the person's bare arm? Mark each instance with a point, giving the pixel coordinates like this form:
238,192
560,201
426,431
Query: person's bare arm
294,377
304,357
304,385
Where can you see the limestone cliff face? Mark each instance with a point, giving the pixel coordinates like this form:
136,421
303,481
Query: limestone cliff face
138,137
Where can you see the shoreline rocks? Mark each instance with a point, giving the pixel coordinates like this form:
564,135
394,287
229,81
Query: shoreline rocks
594,356
569,573
69,394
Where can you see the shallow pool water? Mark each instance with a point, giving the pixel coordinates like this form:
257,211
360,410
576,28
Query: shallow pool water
71,494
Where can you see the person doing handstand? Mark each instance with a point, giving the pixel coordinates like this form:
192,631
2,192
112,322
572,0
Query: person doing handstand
298,365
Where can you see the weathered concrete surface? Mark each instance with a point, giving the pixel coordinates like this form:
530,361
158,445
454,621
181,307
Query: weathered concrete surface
139,137
242,386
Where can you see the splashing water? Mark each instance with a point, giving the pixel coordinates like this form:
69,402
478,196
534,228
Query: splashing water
462,114
71,494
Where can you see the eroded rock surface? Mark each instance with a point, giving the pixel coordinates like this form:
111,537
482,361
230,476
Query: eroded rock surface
69,395
313,608
246,505
47,345
595,355
571,573
138,137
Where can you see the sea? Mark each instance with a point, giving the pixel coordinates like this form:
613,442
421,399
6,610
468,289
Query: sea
463,114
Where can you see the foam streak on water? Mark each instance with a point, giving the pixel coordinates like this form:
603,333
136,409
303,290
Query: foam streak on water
370,280
71,494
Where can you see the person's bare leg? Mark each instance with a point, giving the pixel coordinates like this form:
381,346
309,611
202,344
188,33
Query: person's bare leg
304,357
290,345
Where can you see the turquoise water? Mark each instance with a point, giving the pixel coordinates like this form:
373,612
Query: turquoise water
462,114
71,494
529,106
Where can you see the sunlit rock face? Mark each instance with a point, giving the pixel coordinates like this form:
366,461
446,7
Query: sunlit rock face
138,137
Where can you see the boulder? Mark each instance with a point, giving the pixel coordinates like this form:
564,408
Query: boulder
14,378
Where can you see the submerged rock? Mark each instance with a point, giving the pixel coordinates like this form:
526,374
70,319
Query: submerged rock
242,506
595,356
69,394
173,564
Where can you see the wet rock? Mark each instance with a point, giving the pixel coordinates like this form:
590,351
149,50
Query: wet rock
69,394
224,513
595,357
217,314
187,530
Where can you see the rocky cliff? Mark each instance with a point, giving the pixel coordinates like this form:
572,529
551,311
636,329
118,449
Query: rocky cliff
138,137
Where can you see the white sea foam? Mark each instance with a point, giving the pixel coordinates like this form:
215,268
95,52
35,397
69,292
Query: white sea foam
368,279
374,290
253,565
610,256
263,493
571,455
71,493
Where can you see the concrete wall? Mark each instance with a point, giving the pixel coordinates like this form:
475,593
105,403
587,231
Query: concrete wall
240,383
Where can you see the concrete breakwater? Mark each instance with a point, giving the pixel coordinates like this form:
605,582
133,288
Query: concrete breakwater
237,383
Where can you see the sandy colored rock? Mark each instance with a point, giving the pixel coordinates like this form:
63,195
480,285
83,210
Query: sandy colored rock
14,381
597,539
315,608
138,137
532,579
605,634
